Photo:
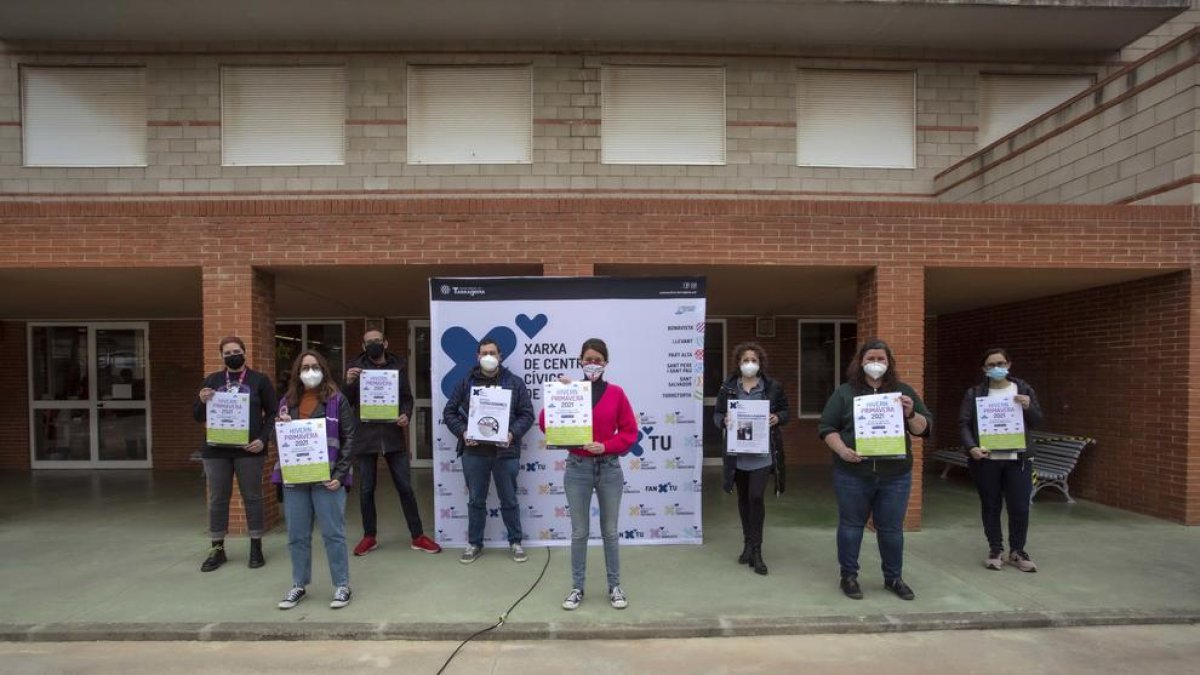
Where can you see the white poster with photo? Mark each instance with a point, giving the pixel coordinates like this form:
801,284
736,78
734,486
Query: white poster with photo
748,428
488,413
654,328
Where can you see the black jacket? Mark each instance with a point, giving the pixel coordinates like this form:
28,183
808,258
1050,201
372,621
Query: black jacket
520,416
773,392
263,403
969,429
377,437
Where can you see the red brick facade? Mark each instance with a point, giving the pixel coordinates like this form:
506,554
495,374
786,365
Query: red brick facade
1142,331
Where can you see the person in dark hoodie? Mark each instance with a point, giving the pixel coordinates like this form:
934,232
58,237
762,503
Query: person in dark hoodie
482,462
1003,478
388,438
749,472
222,463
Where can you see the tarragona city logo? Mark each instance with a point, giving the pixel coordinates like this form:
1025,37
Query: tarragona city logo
642,511
642,464
551,489
552,534
678,509
452,513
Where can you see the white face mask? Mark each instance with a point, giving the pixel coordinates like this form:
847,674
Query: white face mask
749,369
489,363
593,371
311,378
875,370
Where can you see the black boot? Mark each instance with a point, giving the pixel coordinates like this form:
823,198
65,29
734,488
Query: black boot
216,557
756,560
744,558
256,555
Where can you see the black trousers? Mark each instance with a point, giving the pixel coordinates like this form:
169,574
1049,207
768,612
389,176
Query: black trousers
1004,483
751,487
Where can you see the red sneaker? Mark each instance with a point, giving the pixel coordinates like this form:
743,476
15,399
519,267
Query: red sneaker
424,543
365,546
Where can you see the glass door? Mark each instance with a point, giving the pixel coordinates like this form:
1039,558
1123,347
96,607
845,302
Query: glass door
89,388
420,431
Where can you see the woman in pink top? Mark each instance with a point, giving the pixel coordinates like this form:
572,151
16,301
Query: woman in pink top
596,467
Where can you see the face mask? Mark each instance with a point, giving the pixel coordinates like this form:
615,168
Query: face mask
997,373
749,369
235,361
875,370
311,378
489,363
593,371
375,349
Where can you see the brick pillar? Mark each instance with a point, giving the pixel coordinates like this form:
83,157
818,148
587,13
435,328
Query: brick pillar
568,269
891,306
240,300
1191,515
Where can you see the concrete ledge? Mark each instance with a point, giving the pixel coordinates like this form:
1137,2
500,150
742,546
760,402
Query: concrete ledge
689,628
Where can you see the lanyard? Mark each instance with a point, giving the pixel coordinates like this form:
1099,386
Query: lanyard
241,379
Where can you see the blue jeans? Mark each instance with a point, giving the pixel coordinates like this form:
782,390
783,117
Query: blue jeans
883,498
600,474
313,501
479,470
398,467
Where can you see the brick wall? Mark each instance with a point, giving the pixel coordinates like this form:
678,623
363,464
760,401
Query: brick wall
184,118
176,373
14,381
1110,363
1131,139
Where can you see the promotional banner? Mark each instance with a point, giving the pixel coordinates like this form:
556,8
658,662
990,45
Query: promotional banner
654,328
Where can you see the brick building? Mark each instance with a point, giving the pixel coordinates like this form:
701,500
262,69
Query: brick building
947,175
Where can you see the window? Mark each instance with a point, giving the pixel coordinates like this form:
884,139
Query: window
662,115
826,349
92,117
324,337
1008,101
856,118
470,115
283,116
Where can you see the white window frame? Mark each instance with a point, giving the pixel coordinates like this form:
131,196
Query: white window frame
418,403
414,122
837,322
912,157
607,124
712,400
29,120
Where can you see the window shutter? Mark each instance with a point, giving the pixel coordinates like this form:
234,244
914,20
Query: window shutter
470,115
283,115
856,118
663,115
84,116
1008,101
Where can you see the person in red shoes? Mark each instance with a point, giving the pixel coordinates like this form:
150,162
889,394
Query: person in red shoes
388,438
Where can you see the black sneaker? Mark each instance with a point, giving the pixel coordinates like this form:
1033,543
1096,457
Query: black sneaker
216,558
256,555
292,597
341,597
900,588
851,588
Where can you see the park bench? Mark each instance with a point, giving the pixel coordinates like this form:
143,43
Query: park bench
1057,455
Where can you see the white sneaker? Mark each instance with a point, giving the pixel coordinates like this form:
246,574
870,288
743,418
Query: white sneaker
470,554
341,597
293,598
573,599
616,598
518,553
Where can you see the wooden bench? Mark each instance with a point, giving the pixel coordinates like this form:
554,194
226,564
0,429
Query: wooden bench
1057,455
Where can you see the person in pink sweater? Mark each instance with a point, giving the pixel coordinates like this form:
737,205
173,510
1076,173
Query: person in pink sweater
596,467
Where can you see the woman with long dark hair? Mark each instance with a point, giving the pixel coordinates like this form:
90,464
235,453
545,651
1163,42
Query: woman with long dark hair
869,488
312,394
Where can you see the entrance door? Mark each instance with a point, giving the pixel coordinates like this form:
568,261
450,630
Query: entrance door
89,389
420,439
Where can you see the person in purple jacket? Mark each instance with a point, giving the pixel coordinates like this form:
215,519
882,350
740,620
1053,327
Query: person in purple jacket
311,393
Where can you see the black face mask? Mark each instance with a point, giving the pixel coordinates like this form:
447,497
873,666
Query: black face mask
235,361
375,349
